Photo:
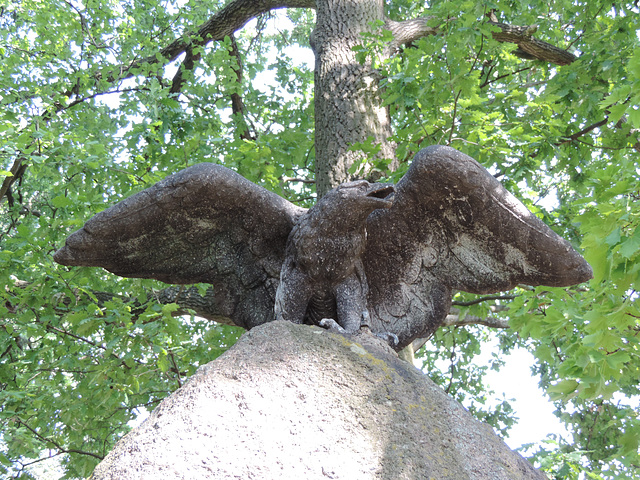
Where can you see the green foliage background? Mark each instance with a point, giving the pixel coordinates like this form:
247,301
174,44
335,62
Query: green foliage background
83,352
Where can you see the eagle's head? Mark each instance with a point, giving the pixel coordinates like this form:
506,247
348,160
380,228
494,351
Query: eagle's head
347,206
363,196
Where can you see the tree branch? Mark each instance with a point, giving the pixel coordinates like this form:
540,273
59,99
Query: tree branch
488,82
531,48
528,47
453,116
223,23
237,104
582,132
190,299
409,30
17,170
453,319
187,65
302,180
487,298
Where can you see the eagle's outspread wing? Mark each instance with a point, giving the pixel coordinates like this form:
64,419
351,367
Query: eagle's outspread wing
453,226
204,224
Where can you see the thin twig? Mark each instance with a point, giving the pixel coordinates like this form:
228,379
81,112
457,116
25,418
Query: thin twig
582,132
453,116
302,180
489,82
56,444
488,298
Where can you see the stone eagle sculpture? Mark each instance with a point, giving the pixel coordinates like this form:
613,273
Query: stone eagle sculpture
389,256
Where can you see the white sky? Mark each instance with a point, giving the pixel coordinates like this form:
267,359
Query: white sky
534,411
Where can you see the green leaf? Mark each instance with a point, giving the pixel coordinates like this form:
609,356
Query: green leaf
163,362
61,201
562,388
630,246
629,442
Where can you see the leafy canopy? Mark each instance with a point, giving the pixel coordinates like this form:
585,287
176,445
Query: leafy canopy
83,353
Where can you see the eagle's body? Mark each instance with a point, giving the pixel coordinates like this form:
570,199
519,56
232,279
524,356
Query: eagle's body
322,269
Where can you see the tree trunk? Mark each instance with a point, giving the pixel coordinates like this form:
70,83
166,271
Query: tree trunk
348,108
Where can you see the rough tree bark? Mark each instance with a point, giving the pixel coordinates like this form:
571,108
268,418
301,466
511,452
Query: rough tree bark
347,101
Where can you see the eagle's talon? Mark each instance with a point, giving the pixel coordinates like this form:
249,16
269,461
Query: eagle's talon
331,325
390,338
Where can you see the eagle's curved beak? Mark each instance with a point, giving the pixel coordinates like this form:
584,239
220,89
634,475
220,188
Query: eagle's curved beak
382,194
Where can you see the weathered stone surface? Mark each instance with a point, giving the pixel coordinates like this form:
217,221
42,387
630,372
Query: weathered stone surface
450,225
294,401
